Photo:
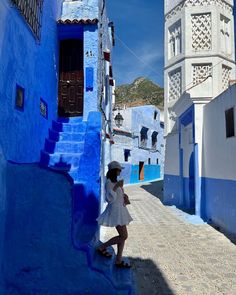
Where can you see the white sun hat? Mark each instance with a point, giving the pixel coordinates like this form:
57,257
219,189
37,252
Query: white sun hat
115,165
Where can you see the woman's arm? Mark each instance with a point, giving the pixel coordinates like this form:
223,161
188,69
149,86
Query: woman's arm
111,193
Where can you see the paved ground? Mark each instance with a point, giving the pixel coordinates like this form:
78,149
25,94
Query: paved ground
172,256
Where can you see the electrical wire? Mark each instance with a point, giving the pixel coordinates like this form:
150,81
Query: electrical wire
154,71
137,57
205,78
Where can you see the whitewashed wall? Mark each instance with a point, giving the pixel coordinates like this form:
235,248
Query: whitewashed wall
219,159
170,4
172,154
187,146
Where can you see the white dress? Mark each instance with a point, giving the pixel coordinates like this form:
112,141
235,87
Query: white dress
116,212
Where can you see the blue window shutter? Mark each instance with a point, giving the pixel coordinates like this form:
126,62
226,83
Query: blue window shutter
89,79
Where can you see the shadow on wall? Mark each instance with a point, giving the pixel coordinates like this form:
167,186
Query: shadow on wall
85,209
155,188
149,278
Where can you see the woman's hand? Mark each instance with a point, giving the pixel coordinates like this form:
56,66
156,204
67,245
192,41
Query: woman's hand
120,183
126,200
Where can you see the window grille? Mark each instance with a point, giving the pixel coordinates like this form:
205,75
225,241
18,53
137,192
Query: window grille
32,12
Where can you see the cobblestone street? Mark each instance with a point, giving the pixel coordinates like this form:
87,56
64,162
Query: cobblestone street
171,255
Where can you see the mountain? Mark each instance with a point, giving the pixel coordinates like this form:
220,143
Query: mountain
141,92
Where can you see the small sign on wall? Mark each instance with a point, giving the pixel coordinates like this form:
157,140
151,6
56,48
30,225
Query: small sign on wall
89,78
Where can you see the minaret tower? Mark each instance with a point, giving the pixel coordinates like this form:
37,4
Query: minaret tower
199,51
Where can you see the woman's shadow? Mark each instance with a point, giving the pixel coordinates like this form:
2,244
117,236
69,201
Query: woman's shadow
148,278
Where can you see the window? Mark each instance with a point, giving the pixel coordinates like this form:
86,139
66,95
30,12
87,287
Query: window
32,12
126,155
20,98
175,39
155,115
154,140
225,30
229,119
149,161
43,108
157,161
143,137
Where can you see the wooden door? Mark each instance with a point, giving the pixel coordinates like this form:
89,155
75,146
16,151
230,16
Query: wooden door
71,80
141,170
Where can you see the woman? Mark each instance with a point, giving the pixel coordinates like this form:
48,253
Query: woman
116,214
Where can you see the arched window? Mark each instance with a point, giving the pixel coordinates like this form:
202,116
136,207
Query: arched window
155,115
154,140
143,137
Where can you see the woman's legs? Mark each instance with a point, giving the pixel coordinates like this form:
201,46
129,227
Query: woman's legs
122,230
119,240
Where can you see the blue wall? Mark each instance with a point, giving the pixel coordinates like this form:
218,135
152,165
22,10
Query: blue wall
39,257
172,190
219,203
86,192
33,65
151,172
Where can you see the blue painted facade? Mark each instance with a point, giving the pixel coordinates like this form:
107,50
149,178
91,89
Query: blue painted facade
151,172
50,207
135,145
218,203
32,65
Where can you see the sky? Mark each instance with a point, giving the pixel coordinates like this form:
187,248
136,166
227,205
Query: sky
139,30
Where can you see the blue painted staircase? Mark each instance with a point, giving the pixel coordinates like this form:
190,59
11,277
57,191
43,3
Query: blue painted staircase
64,146
74,146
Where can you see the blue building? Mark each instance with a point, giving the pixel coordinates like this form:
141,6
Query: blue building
55,97
139,143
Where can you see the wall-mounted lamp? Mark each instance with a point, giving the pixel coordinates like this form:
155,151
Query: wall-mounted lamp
119,120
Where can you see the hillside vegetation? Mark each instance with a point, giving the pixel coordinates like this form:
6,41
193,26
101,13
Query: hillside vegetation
141,92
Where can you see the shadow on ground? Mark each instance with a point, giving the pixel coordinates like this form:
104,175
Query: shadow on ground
155,188
230,236
148,278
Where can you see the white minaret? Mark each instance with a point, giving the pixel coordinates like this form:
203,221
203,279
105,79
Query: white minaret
199,51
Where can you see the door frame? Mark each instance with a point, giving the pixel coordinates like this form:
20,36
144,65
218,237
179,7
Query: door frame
141,171
185,119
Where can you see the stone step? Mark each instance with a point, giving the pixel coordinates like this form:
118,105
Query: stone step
73,173
122,279
66,136
69,127
62,161
52,146
69,147
70,120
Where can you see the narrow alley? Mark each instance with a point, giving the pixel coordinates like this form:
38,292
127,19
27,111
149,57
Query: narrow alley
173,253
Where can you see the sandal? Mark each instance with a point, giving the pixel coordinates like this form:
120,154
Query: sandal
123,264
104,253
